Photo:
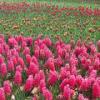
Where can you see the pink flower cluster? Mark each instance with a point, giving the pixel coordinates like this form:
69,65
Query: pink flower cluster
74,68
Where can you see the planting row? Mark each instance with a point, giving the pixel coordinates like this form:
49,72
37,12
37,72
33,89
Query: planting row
48,8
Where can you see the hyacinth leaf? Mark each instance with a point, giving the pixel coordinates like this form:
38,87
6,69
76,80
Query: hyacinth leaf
0,82
20,95
55,90
41,96
24,76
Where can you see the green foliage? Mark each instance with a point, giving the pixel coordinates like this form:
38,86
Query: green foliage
49,25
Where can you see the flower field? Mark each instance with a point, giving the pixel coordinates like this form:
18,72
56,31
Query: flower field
49,51
43,70
68,22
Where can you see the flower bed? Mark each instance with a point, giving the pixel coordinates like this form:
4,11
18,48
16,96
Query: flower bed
40,69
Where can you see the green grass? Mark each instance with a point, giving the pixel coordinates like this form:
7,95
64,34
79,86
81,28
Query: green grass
61,2
50,25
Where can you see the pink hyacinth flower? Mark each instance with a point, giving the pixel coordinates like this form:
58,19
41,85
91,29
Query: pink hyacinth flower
3,70
58,62
50,64
36,51
10,65
28,58
26,51
34,60
34,98
85,84
18,78
81,97
33,68
48,53
96,90
47,41
21,62
47,94
19,68
67,92
52,78
64,72
7,87
2,94
42,54
1,59
42,85
79,80
63,83
29,84
72,81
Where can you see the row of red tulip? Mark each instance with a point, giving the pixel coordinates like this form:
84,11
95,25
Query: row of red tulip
49,8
